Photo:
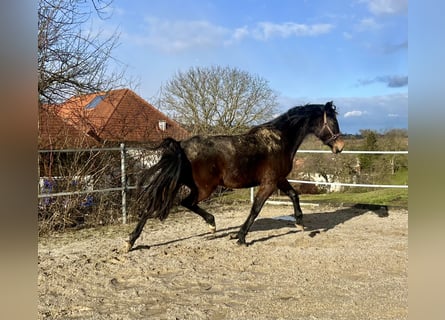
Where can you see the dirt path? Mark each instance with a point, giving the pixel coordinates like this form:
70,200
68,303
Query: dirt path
350,263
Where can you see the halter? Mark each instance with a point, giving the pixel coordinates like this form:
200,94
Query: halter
325,125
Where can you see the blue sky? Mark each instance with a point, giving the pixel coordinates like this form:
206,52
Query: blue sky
352,52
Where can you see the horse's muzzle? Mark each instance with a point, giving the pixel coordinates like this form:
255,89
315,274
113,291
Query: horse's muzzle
337,145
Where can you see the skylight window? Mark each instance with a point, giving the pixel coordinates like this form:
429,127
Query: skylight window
93,104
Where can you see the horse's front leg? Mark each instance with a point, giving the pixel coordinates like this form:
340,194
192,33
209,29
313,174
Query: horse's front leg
263,193
286,187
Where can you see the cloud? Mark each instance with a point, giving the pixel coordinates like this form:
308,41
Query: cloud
266,30
387,7
396,47
391,81
375,112
367,24
395,81
354,113
240,33
181,35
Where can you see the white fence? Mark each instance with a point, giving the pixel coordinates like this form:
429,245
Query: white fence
353,184
336,184
125,187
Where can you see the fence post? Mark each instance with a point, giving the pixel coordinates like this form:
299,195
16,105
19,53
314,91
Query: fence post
123,184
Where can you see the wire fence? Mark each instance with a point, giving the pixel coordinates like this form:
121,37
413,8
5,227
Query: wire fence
128,153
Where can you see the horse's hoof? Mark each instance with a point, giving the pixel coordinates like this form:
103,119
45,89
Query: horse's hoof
212,228
299,227
299,220
241,243
128,246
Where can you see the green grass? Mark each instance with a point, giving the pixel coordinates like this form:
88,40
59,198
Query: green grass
400,177
386,196
375,196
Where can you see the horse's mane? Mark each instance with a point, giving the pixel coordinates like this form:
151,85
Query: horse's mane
296,114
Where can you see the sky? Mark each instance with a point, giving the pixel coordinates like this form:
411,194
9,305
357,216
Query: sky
353,52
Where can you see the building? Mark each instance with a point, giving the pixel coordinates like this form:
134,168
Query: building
100,119
117,116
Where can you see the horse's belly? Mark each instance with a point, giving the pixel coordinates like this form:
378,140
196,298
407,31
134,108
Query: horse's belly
239,180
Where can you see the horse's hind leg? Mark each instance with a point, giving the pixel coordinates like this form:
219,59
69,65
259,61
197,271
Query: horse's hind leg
190,202
209,218
263,193
286,187
136,232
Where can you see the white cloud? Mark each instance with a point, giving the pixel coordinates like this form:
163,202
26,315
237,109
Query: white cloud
237,35
240,33
180,35
354,113
380,7
375,112
266,30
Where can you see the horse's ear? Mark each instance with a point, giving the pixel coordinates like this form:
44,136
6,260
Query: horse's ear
329,106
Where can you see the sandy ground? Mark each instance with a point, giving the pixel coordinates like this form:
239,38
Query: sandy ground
349,263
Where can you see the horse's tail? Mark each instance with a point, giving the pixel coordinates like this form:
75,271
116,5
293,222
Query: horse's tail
163,180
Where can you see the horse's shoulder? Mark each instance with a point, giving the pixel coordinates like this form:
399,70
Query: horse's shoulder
268,133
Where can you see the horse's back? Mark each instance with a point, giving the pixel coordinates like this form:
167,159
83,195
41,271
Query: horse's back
254,143
237,161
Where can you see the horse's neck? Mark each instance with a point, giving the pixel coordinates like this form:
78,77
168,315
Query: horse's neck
296,145
295,135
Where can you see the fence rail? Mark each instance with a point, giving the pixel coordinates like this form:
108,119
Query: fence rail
124,187
354,152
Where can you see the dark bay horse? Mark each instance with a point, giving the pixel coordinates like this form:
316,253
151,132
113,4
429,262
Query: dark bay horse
261,157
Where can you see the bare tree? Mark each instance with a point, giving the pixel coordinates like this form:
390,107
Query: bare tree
217,100
71,58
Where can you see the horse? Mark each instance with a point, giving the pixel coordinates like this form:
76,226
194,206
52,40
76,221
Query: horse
262,156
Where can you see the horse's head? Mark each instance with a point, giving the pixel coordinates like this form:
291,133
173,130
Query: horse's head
327,128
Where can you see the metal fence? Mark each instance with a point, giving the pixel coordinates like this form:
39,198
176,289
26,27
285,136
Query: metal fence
125,187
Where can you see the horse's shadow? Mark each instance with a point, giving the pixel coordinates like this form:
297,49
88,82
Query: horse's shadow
318,222
314,223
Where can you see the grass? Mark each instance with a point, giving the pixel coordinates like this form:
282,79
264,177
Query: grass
400,177
376,196
387,196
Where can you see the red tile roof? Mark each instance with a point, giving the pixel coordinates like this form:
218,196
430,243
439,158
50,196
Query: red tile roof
119,115
55,133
